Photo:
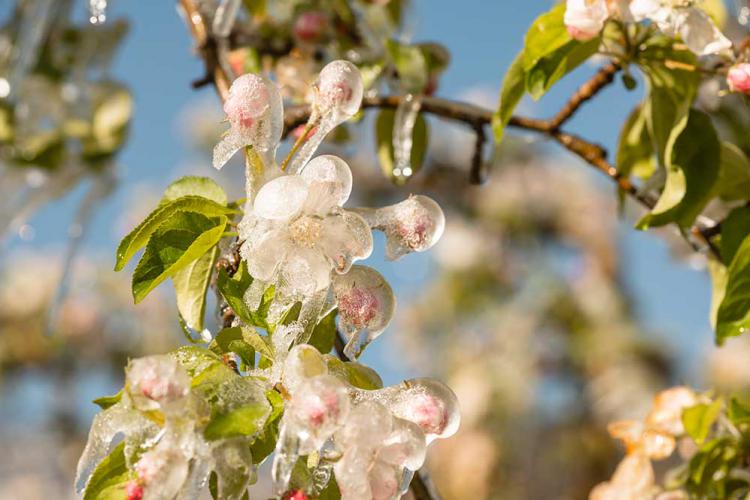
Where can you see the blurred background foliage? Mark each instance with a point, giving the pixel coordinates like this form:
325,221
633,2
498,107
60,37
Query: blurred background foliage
528,307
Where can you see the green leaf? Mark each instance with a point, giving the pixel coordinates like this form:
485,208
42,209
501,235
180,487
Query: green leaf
546,34
698,419
139,237
264,444
105,402
324,335
734,175
235,340
737,412
191,185
183,238
411,65
555,65
109,478
733,316
514,86
233,290
734,229
191,287
718,273
635,152
692,171
331,491
246,420
357,374
384,142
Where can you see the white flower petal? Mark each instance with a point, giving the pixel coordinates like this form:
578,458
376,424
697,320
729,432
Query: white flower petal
330,180
282,198
700,34
265,256
304,272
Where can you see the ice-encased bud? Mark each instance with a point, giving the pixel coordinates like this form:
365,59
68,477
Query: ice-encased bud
340,90
234,468
303,362
413,225
162,470
429,403
157,382
366,304
317,410
255,112
330,181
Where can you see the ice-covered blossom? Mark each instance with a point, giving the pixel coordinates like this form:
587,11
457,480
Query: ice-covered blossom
683,18
297,232
255,113
162,420
379,437
585,18
738,78
366,304
413,225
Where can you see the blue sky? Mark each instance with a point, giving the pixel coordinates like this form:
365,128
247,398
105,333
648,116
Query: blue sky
483,37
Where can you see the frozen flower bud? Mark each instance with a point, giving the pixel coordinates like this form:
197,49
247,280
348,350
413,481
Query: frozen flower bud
134,491
310,26
340,90
405,446
738,78
162,470
320,405
255,112
585,18
157,382
414,225
295,495
366,304
428,403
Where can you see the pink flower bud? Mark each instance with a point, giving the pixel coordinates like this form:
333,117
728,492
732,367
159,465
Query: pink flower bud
247,102
310,26
738,78
295,495
340,88
581,35
359,306
134,491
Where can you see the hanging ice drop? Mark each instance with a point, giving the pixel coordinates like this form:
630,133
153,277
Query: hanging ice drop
97,11
403,135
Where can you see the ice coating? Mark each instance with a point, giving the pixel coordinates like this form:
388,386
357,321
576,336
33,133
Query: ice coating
316,410
366,304
403,135
302,363
413,225
429,403
255,113
157,382
378,450
338,98
296,234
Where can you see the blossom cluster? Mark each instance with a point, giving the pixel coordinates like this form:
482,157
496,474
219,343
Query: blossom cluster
655,438
297,235
372,440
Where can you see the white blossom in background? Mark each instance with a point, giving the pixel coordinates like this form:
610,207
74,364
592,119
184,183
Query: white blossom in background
692,24
654,438
585,18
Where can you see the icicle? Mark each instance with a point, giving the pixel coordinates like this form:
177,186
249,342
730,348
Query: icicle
403,135
286,454
101,188
33,27
224,18
97,11
338,98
